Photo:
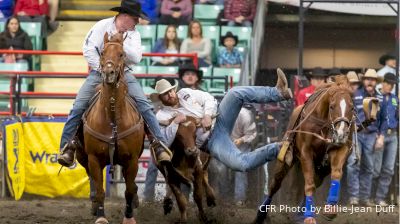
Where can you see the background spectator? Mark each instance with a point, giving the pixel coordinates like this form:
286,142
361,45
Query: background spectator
354,80
150,8
243,133
190,77
240,12
33,11
195,43
6,8
229,57
178,12
13,37
53,12
385,159
317,78
389,66
169,44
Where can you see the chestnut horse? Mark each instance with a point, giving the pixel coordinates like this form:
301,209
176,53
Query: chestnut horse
113,131
193,164
320,137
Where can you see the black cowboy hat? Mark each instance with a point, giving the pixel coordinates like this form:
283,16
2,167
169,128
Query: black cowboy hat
317,72
385,57
334,71
229,34
132,8
390,78
190,67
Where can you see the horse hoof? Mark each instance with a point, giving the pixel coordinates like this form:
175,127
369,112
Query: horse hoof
168,205
310,220
129,221
101,220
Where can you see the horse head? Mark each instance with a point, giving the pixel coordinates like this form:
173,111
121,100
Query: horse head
112,59
341,110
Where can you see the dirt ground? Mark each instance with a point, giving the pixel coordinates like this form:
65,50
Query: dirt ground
73,211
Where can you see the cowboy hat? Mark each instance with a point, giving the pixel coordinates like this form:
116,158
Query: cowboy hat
229,35
334,71
353,77
390,78
371,73
317,72
132,8
162,86
385,57
190,67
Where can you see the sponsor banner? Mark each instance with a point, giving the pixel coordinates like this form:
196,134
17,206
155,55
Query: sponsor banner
15,158
41,139
351,8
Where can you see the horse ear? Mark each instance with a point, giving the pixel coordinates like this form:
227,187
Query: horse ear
105,38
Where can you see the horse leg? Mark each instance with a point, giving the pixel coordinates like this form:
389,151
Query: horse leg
96,173
307,166
130,171
209,191
280,171
198,192
337,159
181,200
168,204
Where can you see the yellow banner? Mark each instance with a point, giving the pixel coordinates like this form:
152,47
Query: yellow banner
41,140
14,143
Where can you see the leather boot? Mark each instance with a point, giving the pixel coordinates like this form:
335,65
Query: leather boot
160,152
282,85
67,156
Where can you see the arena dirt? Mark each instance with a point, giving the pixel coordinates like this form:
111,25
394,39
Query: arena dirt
73,211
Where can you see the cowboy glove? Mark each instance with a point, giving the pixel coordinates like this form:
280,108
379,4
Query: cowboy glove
206,122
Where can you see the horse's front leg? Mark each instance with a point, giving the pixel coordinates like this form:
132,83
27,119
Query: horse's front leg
96,172
337,159
307,166
130,171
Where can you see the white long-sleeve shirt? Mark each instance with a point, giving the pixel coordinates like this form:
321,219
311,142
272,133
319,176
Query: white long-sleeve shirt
245,128
94,44
194,103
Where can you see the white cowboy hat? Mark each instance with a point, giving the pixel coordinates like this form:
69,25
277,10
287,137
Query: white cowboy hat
371,73
352,77
162,86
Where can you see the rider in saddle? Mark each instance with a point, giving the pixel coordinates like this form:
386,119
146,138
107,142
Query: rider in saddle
203,106
124,22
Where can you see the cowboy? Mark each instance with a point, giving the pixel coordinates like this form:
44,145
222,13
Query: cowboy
124,22
354,80
190,76
229,57
332,73
385,159
388,61
317,78
203,106
370,138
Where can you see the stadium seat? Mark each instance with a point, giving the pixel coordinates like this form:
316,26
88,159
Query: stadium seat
222,72
182,31
244,34
5,83
206,83
207,14
146,48
140,69
34,30
163,70
147,34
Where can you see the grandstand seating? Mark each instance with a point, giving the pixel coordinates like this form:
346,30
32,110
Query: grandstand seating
207,14
181,31
5,83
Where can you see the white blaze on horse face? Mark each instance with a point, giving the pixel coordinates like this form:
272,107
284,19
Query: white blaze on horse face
343,106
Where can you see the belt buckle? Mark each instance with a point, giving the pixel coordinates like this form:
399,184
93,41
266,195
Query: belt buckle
389,132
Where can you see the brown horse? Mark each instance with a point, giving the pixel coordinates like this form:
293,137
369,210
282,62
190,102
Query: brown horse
113,131
193,164
319,133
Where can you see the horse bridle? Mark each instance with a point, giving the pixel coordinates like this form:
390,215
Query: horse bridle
119,68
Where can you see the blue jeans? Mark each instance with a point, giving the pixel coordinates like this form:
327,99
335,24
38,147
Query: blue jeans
88,90
244,23
384,166
241,178
151,180
220,144
359,177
